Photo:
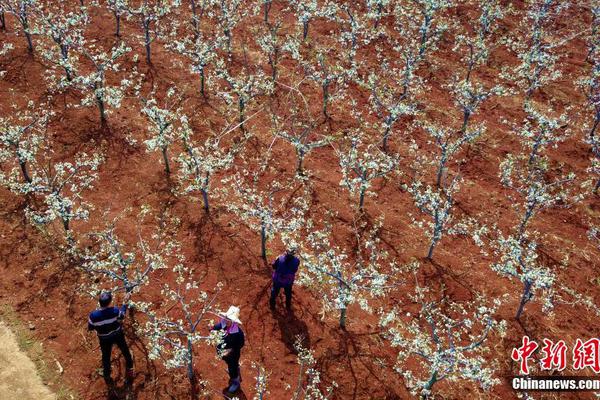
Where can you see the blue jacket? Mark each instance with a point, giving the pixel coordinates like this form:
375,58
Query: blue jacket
107,321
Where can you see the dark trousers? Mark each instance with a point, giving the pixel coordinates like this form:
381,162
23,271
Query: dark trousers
275,292
106,344
233,366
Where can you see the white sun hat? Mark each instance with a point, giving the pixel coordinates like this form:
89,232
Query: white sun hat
233,314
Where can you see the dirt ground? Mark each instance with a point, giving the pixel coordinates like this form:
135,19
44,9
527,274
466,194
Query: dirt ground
18,376
35,279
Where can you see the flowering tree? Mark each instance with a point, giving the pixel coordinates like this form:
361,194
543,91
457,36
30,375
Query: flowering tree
394,87
361,165
437,204
162,125
174,331
325,75
200,50
61,185
95,83
6,47
105,256
301,136
475,46
309,378
2,18
199,162
526,173
308,10
339,281
21,9
445,341
261,210
518,259
66,32
536,54
119,9
245,86
591,87
21,136
229,14
274,45
150,13
305,11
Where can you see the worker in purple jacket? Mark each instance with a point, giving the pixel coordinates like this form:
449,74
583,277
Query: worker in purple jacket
284,272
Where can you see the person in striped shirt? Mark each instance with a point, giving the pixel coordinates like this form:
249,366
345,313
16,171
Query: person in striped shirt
106,321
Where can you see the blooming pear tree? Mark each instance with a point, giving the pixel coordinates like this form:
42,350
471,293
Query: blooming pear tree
325,74
309,378
65,29
200,162
361,164
527,173
519,260
394,89
445,341
60,186
110,260
275,44
261,210
119,8
436,203
21,136
95,83
173,331
200,50
162,128
303,139
22,10
150,14
229,14
476,46
242,88
591,87
537,55
337,279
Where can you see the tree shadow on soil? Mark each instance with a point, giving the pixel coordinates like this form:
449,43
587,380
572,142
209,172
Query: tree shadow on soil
291,328
350,352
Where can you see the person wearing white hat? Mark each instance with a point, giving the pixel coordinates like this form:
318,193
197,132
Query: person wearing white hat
230,348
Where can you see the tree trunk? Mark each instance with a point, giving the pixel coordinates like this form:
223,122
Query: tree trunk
304,30
147,41
361,199
267,8
343,318
300,161
29,41
190,369
524,298
2,21
202,81
429,385
325,99
166,160
263,241
205,199
65,222
26,176
118,21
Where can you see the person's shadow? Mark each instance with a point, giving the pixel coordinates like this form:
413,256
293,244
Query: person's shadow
292,328
239,394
